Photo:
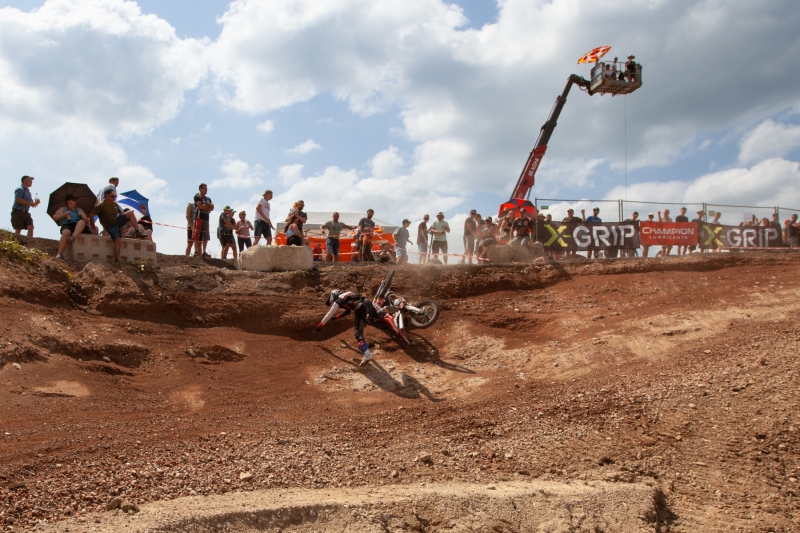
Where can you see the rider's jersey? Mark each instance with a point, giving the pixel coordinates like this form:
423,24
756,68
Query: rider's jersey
349,301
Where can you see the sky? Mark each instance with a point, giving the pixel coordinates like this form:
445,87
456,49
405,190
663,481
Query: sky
405,107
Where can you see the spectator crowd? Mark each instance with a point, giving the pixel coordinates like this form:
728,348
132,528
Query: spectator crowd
235,233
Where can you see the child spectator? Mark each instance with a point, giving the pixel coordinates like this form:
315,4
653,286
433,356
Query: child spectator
317,251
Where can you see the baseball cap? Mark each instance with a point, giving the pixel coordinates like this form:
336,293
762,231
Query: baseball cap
227,208
650,214
440,214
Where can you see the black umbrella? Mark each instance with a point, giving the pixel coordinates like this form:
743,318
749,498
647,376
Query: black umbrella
58,198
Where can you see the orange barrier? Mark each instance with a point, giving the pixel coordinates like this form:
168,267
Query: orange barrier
347,243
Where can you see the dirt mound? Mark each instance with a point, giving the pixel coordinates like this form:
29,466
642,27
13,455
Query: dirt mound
604,375
500,507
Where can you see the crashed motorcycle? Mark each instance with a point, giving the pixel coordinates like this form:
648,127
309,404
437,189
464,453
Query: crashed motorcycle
399,314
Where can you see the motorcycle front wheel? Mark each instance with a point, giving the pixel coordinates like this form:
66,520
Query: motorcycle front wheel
428,313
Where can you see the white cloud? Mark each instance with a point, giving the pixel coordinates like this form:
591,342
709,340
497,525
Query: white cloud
265,127
769,183
483,94
304,148
290,174
238,174
769,139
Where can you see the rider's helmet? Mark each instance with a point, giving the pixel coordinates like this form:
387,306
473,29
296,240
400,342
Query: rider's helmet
333,296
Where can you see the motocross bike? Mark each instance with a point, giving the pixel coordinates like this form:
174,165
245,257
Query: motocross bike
399,313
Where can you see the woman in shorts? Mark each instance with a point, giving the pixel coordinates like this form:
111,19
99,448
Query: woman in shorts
72,220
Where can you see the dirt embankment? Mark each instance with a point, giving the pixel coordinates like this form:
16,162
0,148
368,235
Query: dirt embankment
667,387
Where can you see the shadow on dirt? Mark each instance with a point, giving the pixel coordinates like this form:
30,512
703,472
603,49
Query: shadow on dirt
410,387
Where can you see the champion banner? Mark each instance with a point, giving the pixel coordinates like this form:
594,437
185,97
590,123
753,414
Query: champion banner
715,236
668,233
584,237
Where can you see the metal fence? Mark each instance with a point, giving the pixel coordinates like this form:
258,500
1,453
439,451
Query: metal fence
621,210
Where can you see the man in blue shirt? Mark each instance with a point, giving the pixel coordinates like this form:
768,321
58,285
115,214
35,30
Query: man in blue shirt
594,219
20,212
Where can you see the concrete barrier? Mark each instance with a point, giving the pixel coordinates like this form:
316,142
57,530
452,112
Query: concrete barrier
508,253
275,258
86,248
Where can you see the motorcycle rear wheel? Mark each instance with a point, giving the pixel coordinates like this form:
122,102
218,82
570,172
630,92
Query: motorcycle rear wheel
429,312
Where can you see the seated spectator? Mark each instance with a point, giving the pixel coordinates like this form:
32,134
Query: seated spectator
112,219
504,230
146,223
294,236
317,251
385,253
72,220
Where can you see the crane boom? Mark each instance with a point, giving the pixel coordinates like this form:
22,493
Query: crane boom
526,178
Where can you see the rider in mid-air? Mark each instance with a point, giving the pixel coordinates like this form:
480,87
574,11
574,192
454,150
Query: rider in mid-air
361,307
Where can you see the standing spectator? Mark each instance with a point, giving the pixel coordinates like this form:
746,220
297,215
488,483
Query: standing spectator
439,230
72,220
522,228
548,219
317,252
593,219
488,237
112,185
225,232
716,220
775,223
264,225
112,219
203,207
300,218
665,250
793,232
401,239
646,247
699,222
571,219
191,212
634,220
334,230
20,216
366,229
422,240
470,235
682,218
243,227
630,69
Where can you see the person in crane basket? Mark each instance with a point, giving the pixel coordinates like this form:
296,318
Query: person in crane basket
361,308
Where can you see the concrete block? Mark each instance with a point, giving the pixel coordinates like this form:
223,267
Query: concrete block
276,258
86,248
508,253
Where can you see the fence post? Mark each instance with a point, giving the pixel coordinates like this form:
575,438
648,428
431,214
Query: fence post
619,202
705,213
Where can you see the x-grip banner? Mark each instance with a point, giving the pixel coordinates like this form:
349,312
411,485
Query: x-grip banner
583,237
717,236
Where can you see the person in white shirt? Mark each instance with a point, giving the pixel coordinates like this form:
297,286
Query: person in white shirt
263,224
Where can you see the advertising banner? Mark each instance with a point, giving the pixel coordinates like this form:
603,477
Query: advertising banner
585,237
715,236
668,233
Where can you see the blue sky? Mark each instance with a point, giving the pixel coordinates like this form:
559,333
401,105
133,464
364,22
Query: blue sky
405,108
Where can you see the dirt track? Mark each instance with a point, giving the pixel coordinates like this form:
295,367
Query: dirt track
673,376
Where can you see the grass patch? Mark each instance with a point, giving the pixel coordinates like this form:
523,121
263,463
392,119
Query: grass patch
11,249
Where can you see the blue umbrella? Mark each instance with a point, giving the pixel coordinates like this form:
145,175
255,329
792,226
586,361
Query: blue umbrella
133,199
